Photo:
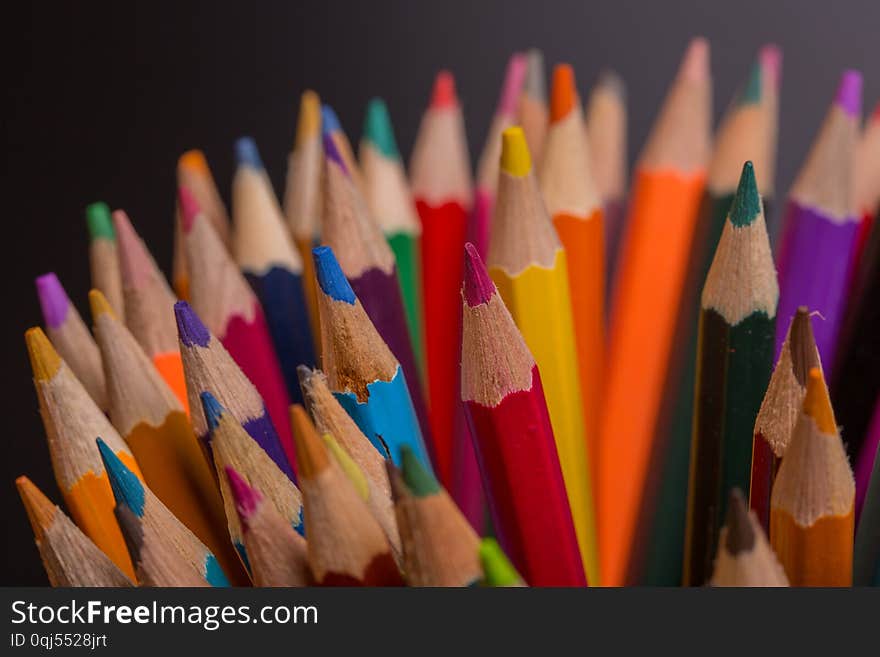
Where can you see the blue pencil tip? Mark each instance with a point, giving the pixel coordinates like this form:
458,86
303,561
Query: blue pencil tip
127,488
330,277
189,327
329,120
213,410
246,153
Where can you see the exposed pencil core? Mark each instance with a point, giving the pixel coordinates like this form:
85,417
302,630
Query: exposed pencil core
417,477
247,154
329,120
213,410
98,221
747,203
849,92
563,93
513,82
515,157
817,404
189,327
246,497
444,94
695,64
127,488
53,299
378,130
45,361
311,455
189,207
478,286
193,160
740,534
330,277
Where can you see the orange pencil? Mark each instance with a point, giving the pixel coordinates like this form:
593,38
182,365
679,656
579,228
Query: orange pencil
669,182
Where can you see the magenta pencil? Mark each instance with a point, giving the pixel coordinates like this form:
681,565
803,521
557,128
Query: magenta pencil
487,168
226,304
821,225
864,464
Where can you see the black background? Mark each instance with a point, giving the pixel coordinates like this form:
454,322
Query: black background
99,99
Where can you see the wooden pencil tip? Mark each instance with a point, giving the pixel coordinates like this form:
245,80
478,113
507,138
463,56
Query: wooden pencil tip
444,94
746,204
817,403
54,302
308,124
695,63
563,92
194,161
45,361
246,497
515,157
127,488
417,476
247,154
39,508
611,81
189,207
190,328
98,221
399,490
99,305
849,93
311,454
349,467
535,83
331,280
770,58
478,287
740,533
513,83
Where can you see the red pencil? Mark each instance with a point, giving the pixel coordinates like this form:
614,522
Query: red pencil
224,301
501,388
441,183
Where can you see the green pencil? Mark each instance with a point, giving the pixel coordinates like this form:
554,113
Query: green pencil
734,362
393,209
497,569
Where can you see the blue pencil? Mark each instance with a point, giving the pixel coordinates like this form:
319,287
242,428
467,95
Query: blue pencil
270,263
363,374
149,528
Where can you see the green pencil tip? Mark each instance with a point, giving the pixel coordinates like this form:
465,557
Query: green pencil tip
497,569
751,93
99,222
378,130
747,202
418,478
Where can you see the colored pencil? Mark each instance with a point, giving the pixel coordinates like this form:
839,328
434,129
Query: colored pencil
302,196
69,557
487,166
151,421
363,374
497,569
277,554
573,202
103,260
605,118
209,368
71,337
780,409
821,223
734,363
866,551
332,128
72,420
747,132
440,548
744,557
529,266
866,181
235,316
150,522
149,304
346,546
502,391
330,418
440,180
533,112
368,263
231,446
271,263
811,509
194,174
392,206
668,184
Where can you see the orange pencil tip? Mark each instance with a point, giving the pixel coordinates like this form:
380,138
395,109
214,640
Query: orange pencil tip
563,95
311,454
817,403
193,160
45,361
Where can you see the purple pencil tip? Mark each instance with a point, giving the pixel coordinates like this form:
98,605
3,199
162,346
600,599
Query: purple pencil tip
478,287
332,152
53,299
189,327
849,93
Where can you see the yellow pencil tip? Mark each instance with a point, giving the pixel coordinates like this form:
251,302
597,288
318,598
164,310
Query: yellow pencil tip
99,305
349,467
515,158
817,404
309,122
45,361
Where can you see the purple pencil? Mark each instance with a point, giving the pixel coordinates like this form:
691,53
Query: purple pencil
368,263
821,225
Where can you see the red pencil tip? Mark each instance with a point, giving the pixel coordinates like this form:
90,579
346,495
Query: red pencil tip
189,207
478,287
444,91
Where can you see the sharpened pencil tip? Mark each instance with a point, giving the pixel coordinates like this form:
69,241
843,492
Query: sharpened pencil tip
508,102
478,287
740,533
189,207
351,469
332,152
311,454
127,488
132,531
444,95
98,221
746,204
45,361
213,409
194,161
54,301
330,277
497,569
770,58
246,497
378,130
695,63
418,478
817,403
849,93
39,508
611,81
515,157
247,154
329,120
99,305
308,123
563,92
190,328
535,83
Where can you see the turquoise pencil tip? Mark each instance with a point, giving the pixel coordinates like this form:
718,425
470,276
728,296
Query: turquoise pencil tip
378,130
127,488
747,203
213,409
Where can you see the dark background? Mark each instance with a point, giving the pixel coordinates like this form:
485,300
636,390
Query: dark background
99,100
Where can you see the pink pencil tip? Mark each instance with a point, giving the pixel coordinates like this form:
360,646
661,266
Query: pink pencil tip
695,63
770,57
849,92
246,497
513,82
478,287
189,207
444,91
53,299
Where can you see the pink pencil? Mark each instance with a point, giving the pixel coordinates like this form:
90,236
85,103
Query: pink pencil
224,301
